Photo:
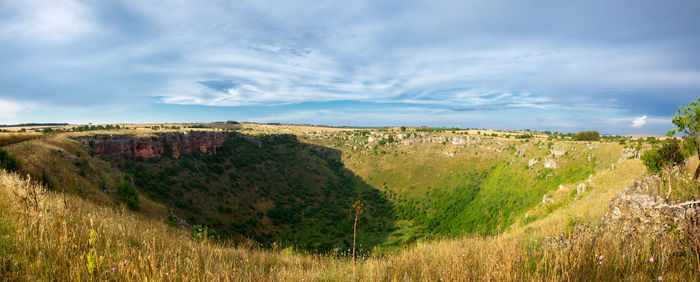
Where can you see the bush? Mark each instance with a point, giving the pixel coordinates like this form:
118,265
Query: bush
129,194
587,136
667,156
200,232
7,162
523,136
652,160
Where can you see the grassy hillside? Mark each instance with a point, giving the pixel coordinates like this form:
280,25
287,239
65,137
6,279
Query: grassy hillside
450,207
65,237
451,184
416,184
272,189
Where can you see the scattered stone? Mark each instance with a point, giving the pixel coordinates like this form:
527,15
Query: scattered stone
546,199
557,153
549,163
580,189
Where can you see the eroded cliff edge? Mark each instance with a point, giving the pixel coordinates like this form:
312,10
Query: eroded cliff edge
168,144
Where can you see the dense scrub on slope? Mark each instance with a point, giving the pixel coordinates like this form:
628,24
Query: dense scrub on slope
272,189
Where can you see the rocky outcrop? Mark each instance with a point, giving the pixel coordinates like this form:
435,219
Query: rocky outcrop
640,210
172,144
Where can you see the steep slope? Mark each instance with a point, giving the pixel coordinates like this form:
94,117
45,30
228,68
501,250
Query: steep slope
69,238
452,183
274,188
270,188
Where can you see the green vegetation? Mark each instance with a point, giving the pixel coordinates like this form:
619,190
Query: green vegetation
7,162
129,194
442,189
83,128
490,205
687,122
437,129
523,136
668,156
271,188
440,205
587,136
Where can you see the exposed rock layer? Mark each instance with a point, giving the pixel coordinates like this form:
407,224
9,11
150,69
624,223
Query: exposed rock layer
172,144
639,209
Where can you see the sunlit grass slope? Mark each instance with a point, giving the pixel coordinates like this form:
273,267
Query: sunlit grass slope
54,236
453,183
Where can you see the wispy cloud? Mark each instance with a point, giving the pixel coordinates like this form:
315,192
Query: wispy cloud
46,21
461,57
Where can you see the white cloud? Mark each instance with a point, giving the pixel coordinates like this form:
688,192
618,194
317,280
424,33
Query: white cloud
54,21
433,54
639,122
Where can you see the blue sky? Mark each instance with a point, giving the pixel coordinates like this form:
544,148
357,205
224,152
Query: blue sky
613,66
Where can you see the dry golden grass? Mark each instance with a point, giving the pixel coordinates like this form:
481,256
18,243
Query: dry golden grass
7,139
53,243
48,237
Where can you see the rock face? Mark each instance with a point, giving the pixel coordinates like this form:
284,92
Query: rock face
639,209
171,143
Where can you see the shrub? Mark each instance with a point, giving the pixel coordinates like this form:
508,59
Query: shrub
667,156
687,123
522,136
652,160
587,136
129,194
7,162
200,232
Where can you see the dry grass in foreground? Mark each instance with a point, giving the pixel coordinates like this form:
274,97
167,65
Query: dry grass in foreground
49,236
7,139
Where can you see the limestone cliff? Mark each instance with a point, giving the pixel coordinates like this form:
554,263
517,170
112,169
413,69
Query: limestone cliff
172,144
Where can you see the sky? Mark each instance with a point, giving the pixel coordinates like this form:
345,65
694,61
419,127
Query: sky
619,67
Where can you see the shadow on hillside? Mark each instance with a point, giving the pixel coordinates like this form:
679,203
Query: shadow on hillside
377,221
270,188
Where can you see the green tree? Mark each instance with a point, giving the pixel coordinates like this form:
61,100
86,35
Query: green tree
687,122
587,136
663,159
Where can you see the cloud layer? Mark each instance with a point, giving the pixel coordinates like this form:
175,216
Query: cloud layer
612,60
